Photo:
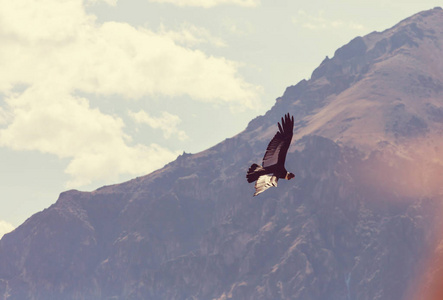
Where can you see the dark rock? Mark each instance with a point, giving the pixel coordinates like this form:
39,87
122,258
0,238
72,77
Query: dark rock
405,124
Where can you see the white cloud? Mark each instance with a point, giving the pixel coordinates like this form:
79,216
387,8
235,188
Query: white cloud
191,36
167,123
5,228
320,22
3,116
210,3
54,49
50,121
112,58
88,166
238,27
109,2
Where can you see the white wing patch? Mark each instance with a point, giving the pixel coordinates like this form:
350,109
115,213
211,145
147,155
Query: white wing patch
264,182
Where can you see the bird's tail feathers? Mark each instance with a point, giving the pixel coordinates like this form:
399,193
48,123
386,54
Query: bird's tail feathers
254,172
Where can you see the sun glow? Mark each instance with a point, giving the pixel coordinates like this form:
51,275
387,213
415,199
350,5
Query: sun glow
409,172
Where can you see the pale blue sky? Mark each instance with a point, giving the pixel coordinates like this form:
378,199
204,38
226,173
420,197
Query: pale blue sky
96,92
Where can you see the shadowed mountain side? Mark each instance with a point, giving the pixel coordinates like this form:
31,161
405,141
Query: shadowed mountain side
328,235
357,222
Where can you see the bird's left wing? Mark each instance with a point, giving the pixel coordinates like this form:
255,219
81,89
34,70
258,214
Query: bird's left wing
278,146
264,182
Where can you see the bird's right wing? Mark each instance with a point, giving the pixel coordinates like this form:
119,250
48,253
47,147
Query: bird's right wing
278,146
264,182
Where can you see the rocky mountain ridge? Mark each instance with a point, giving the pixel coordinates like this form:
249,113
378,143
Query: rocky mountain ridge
357,222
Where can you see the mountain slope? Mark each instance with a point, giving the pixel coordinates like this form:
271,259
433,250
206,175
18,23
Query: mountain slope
374,88
357,222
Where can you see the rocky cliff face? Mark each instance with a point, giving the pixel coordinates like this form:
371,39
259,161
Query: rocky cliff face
357,222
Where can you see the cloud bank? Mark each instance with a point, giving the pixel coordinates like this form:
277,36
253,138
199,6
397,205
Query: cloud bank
167,123
52,50
5,228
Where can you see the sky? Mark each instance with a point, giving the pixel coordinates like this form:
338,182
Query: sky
97,92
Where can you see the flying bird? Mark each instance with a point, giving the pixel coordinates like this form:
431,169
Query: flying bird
274,160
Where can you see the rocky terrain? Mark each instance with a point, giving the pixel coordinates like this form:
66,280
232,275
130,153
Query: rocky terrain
359,221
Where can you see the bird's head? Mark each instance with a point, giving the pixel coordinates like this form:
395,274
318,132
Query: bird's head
289,176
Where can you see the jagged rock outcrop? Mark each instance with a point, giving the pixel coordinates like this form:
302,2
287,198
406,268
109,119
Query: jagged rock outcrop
357,222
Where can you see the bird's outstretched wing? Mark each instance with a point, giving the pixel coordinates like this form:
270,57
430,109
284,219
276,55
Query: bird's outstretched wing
278,146
264,182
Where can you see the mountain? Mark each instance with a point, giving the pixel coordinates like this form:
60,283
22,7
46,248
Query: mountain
359,221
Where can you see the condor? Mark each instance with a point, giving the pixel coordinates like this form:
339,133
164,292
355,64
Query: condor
274,160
